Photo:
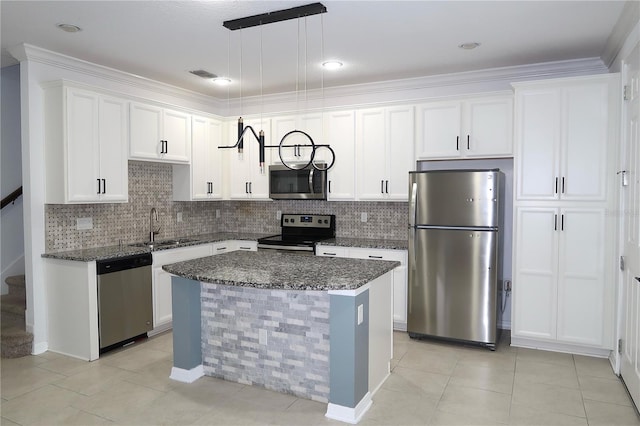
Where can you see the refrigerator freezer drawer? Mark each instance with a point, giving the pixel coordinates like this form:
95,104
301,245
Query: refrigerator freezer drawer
453,283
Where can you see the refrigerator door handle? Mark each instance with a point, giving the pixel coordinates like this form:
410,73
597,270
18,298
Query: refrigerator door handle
412,204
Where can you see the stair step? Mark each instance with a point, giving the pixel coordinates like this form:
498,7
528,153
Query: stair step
17,285
14,304
15,342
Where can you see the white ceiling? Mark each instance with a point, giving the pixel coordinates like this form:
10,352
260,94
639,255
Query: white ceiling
376,40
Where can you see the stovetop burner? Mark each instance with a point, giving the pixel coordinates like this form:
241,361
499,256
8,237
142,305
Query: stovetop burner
300,232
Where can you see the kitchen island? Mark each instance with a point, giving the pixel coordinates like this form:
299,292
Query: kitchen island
318,328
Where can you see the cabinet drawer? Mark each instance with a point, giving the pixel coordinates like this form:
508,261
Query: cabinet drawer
332,251
379,254
166,257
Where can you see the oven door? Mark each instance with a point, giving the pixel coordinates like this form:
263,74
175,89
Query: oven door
303,184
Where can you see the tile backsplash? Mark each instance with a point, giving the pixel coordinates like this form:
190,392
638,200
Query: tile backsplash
150,185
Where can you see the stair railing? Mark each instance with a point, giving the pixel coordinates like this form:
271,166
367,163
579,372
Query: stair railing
11,198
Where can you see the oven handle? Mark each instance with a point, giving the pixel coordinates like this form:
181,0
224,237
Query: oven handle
311,180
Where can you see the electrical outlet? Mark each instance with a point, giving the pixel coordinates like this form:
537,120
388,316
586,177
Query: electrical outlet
217,214
360,314
363,217
262,336
278,214
179,217
84,223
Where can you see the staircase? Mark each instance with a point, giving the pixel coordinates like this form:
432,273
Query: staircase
15,340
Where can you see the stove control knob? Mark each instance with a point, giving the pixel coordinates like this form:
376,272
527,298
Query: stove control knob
286,221
292,220
326,221
319,220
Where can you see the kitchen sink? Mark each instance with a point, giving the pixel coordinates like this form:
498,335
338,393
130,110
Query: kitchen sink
163,243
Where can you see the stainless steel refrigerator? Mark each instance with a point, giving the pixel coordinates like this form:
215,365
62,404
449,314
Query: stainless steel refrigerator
455,252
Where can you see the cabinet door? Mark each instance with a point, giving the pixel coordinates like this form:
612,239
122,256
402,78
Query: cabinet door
372,150
301,149
177,136
200,163
83,153
585,137
215,158
582,285
162,310
113,149
401,160
340,135
145,132
438,130
489,131
538,144
245,179
536,264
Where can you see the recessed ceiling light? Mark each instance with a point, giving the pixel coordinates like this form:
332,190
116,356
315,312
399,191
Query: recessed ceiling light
332,65
69,28
221,81
468,46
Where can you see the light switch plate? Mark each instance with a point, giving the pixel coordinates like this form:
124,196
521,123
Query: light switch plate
278,214
217,214
179,216
84,223
262,336
360,314
363,217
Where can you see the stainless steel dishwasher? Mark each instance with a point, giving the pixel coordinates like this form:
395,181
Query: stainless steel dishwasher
125,307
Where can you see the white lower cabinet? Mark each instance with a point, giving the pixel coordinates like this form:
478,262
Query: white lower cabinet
162,310
399,274
563,289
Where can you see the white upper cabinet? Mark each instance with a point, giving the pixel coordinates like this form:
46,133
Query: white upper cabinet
384,146
472,128
85,146
244,179
159,134
563,139
202,180
340,135
296,147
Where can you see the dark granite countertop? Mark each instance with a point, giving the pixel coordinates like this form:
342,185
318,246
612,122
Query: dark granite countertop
278,270
367,243
110,252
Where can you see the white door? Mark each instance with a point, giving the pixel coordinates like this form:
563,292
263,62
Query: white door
371,160
83,154
114,167
177,136
340,135
399,128
215,158
439,126
200,162
145,131
489,128
536,272
630,362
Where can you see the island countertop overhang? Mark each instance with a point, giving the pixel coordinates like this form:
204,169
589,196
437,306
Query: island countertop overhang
281,270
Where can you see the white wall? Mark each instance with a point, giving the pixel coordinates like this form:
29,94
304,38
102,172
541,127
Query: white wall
11,224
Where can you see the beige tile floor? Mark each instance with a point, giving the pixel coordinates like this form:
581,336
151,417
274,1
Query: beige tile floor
431,384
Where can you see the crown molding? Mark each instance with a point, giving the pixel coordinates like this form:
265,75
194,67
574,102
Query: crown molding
629,18
24,52
503,76
416,87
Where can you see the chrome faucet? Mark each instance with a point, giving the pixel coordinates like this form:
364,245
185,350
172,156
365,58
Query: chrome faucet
152,232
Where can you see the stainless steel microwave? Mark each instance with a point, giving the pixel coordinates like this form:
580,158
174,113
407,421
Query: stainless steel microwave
309,183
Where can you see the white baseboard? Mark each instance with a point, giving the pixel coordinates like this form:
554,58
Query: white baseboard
523,342
186,376
160,329
40,348
347,414
400,325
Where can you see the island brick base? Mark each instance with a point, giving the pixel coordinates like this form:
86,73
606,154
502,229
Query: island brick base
278,339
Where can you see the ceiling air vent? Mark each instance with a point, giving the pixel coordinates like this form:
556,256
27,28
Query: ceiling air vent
203,74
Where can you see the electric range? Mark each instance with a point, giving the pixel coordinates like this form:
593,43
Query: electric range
301,232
